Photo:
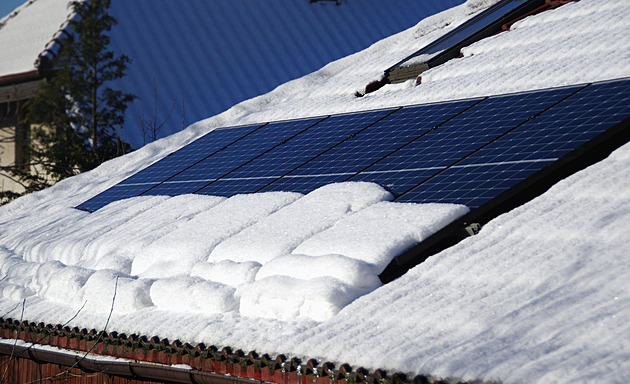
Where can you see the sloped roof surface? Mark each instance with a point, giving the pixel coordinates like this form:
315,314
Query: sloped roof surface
540,295
26,32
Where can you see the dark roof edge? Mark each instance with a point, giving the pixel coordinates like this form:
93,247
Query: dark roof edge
53,46
19,78
153,359
136,370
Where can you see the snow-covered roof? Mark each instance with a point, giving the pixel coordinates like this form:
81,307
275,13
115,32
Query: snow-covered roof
539,295
27,32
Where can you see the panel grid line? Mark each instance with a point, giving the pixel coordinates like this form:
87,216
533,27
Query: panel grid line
273,135
206,157
492,141
334,146
263,153
364,149
423,135
293,153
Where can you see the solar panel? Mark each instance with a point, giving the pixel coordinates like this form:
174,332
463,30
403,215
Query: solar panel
470,27
464,134
448,46
241,152
497,167
466,151
168,166
365,148
273,164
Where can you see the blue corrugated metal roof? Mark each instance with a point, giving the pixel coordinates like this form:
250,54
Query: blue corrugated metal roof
212,54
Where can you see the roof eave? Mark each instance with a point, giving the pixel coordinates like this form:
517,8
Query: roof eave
23,77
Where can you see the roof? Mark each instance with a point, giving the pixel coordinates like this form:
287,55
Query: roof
538,295
27,32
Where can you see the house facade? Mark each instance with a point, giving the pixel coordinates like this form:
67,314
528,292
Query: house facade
15,91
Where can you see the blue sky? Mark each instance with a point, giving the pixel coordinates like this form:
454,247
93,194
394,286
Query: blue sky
6,6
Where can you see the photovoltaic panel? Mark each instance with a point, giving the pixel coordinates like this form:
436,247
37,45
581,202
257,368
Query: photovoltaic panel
168,166
466,133
472,26
370,145
275,163
466,151
531,147
241,152
448,46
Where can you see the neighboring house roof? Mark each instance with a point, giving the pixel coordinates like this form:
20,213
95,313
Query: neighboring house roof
538,295
27,33
197,59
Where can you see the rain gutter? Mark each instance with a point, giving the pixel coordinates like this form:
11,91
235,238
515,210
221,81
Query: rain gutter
120,367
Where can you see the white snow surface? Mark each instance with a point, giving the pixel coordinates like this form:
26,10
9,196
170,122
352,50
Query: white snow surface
540,295
20,50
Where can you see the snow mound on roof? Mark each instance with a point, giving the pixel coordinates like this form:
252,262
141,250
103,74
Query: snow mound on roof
107,290
178,250
193,294
381,230
279,233
227,272
202,254
287,298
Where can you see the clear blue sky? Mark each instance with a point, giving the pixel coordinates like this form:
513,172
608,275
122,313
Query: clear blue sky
6,6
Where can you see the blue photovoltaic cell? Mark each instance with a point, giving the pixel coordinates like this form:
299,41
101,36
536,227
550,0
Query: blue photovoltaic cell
168,166
526,150
377,141
248,148
461,136
275,163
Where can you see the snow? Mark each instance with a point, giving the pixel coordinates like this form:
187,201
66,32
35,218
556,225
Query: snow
203,254
20,50
193,294
381,230
278,234
539,295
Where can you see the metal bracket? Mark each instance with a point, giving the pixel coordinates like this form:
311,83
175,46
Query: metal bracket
473,229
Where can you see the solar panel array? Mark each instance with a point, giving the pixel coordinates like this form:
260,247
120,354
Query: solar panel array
466,151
